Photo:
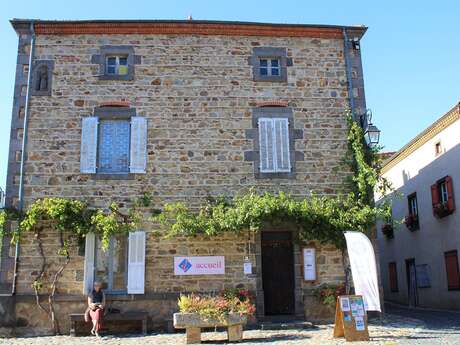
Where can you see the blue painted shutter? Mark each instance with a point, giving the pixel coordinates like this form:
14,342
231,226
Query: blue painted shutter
90,243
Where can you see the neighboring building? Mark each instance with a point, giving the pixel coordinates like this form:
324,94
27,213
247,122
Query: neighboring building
419,258
176,108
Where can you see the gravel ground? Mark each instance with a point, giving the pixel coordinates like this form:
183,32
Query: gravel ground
402,326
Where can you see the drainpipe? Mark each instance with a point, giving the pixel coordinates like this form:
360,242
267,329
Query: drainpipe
24,146
346,47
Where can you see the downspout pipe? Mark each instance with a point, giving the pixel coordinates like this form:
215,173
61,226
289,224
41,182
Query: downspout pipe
24,147
346,48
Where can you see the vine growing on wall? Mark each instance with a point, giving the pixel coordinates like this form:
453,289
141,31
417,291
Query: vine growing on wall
321,218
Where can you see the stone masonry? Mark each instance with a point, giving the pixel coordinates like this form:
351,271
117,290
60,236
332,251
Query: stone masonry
198,95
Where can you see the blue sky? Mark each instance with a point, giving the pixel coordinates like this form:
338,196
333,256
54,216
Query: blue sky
411,52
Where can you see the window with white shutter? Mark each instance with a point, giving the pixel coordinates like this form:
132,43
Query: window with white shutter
114,145
89,145
274,145
136,262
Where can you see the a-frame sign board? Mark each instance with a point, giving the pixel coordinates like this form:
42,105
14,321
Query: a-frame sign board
351,319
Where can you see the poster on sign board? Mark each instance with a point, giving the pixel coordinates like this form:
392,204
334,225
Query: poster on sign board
199,265
309,264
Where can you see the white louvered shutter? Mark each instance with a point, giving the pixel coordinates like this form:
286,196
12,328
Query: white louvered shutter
281,126
136,262
90,243
88,145
266,145
138,153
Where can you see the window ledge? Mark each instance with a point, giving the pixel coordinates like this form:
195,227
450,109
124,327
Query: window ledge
108,176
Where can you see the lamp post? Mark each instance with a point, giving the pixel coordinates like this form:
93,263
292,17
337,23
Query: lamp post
371,132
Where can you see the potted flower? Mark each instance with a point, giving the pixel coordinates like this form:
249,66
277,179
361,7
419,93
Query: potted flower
411,222
231,309
441,210
387,230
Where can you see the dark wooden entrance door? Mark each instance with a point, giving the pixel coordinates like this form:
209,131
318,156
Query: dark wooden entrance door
411,282
278,272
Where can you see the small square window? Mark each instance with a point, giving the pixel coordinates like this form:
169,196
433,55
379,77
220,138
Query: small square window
438,148
117,65
269,67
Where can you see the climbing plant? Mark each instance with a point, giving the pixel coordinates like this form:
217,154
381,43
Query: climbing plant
321,218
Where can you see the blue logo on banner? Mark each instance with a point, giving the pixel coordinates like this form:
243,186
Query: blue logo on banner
185,265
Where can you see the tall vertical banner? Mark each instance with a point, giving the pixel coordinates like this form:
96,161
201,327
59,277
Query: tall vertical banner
363,268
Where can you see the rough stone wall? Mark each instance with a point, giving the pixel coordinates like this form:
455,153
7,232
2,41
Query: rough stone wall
197,93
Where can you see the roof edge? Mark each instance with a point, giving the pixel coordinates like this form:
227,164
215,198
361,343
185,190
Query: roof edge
209,27
422,138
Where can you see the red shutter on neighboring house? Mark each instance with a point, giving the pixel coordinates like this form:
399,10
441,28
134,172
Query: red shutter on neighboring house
434,196
450,194
393,277
453,277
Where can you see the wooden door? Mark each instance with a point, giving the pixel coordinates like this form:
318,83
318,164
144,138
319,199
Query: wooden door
411,282
278,272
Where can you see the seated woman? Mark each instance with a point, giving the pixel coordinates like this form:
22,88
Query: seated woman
96,305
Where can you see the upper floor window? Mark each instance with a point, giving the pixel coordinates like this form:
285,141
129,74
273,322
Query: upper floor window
270,67
113,146
437,148
442,197
274,145
117,65
116,62
412,220
114,141
413,207
270,64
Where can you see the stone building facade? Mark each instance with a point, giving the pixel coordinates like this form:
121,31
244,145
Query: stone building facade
181,105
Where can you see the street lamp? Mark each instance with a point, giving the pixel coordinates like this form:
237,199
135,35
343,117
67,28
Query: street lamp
371,132
372,135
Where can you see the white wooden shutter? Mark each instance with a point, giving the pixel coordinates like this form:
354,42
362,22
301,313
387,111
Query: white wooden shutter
88,145
138,153
281,128
266,145
90,243
136,262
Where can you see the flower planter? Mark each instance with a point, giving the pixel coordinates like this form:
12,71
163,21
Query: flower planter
192,323
387,230
411,222
441,210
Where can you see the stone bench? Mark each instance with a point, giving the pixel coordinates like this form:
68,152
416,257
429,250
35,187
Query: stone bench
128,316
193,323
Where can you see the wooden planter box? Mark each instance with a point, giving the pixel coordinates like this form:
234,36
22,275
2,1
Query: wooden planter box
193,323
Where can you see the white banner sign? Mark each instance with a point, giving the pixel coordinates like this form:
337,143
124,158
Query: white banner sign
309,264
363,268
198,265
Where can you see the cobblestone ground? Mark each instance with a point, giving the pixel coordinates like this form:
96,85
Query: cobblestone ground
399,327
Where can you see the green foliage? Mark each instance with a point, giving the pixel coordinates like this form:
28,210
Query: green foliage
74,216
3,218
320,218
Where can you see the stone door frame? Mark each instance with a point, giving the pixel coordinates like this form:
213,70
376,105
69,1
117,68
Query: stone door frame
299,312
